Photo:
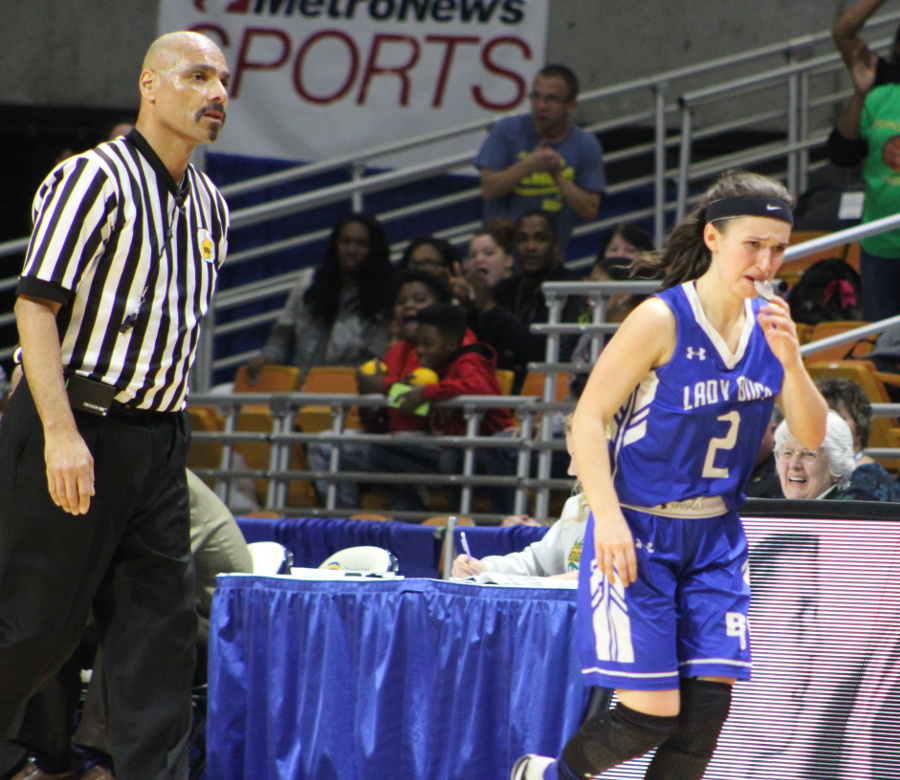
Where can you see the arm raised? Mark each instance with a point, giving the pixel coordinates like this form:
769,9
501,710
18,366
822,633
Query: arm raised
846,29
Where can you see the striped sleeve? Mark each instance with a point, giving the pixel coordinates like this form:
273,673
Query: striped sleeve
74,214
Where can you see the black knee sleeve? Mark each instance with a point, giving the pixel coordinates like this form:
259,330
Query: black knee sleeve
608,739
686,753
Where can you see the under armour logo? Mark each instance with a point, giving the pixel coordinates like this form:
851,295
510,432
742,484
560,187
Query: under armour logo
700,353
642,545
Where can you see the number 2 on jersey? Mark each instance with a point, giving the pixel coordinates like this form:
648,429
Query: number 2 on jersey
725,442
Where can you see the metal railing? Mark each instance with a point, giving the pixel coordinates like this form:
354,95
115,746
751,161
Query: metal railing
285,407
810,91
557,293
536,433
283,436
807,89
671,105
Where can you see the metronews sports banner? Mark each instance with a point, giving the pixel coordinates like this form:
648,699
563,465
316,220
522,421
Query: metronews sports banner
312,79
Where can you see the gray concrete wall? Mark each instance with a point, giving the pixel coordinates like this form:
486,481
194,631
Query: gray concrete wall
84,53
611,41
88,52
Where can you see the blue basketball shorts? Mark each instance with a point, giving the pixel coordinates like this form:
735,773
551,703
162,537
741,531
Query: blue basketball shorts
685,616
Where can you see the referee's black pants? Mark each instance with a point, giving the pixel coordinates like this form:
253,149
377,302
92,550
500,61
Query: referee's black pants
129,558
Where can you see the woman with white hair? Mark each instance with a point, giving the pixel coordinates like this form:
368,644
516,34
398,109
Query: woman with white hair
850,401
821,473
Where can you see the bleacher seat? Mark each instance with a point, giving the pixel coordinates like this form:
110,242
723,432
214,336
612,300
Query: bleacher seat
313,418
273,378
885,431
822,330
792,271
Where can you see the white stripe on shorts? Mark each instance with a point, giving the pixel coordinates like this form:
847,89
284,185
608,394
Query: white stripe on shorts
635,675
725,661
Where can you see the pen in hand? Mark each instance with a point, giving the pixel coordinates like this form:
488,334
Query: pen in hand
465,565
465,544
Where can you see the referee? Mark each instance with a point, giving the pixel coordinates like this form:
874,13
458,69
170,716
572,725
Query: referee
127,242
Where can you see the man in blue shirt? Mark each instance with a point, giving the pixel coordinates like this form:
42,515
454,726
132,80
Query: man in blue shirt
542,161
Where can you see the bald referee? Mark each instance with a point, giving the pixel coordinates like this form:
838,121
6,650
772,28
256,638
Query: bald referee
127,241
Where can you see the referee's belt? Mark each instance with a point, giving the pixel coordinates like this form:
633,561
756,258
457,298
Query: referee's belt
94,397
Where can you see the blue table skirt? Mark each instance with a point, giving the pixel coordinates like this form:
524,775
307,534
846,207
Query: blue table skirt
417,548
407,679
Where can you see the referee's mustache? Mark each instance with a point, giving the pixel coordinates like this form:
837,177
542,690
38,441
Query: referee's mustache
216,106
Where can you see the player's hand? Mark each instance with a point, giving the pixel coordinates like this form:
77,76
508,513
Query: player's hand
780,332
614,548
70,471
464,566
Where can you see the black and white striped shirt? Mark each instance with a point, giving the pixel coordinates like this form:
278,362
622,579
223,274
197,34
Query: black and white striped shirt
133,260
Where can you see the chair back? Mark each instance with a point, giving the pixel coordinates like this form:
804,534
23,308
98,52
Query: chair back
330,379
534,385
273,378
363,558
313,418
822,330
270,558
791,272
255,419
442,520
860,371
884,431
205,454
505,379
369,516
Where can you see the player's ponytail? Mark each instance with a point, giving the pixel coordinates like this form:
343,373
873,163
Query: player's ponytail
685,255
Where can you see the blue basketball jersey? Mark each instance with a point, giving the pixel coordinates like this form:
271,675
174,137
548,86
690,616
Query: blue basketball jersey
693,426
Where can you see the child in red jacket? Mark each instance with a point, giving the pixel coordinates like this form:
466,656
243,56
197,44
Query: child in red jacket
415,290
443,344
463,367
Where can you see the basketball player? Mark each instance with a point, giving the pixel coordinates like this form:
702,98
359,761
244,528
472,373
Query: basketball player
685,390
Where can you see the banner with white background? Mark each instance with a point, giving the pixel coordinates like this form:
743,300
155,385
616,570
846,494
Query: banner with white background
313,79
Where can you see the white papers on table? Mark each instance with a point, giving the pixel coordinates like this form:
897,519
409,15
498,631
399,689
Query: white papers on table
341,574
518,581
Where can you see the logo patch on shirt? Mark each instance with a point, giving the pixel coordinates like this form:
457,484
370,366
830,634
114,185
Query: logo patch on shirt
207,248
700,353
574,560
